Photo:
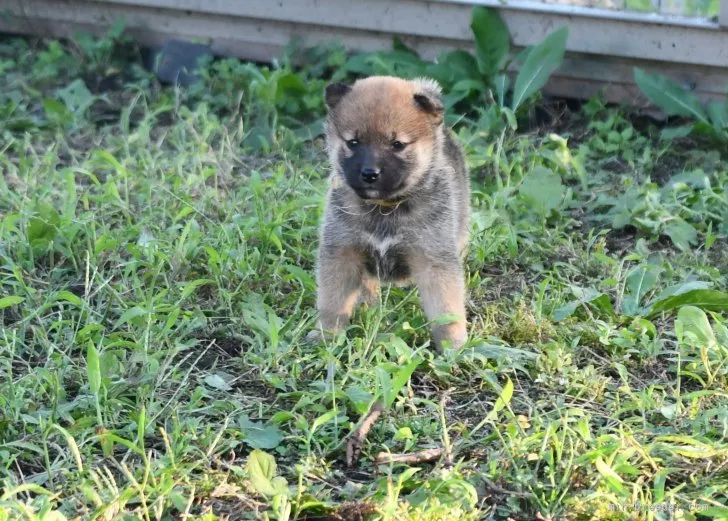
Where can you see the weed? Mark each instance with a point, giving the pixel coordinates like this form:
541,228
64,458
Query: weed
677,101
156,260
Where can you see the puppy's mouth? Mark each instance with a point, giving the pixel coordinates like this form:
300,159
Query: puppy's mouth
374,194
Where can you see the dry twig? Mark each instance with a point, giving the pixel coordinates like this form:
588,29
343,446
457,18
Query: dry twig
356,440
416,457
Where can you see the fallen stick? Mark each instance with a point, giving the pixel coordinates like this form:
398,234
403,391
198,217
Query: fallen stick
501,490
416,457
356,440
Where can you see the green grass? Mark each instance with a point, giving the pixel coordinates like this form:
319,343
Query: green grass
157,249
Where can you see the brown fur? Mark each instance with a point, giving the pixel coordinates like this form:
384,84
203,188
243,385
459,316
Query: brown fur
411,222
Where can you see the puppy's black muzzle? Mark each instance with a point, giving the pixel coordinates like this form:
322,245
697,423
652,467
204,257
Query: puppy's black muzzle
369,174
373,171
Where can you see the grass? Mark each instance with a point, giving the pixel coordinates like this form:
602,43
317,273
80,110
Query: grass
157,248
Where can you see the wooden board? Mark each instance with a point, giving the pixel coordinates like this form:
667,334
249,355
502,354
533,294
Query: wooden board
693,53
596,31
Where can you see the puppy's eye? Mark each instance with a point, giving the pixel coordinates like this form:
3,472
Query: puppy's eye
352,143
398,145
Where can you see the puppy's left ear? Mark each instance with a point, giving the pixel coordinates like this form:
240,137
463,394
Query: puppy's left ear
334,93
428,97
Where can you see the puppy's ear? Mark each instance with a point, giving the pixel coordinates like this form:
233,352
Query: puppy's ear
334,92
430,104
428,98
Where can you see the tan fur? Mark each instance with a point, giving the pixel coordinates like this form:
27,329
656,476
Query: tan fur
416,233
369,290
384,109
384,104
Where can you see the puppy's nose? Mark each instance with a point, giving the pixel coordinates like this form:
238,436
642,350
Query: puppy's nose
369,174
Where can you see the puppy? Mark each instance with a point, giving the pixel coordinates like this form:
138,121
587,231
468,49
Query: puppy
398,204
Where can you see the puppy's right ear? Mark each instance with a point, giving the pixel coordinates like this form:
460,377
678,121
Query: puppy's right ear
334,93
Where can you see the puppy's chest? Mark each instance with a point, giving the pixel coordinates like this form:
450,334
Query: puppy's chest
386,256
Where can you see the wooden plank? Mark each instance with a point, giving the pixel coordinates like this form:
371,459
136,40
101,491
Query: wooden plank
581,75
595,31
286,10
40,16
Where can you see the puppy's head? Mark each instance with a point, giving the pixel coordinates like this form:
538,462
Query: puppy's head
382,133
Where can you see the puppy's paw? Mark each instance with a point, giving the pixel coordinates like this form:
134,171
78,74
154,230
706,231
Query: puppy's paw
318,336
315,336
450,336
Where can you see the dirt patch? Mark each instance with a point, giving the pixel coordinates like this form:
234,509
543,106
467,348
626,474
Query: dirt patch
219,347
10,316
353,512
619,241
228,508
718,256
505,281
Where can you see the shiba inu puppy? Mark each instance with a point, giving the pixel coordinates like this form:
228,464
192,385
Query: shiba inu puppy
398,205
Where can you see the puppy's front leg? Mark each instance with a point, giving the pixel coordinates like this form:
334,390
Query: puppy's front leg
442,290
339,279
369,290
